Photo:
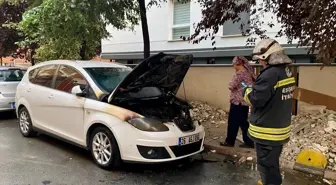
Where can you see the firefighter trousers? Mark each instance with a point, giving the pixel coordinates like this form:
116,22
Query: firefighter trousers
268,163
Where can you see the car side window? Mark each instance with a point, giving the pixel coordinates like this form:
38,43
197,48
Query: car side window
44,76
33,73
67,77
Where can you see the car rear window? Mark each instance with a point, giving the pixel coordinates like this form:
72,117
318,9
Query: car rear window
11,75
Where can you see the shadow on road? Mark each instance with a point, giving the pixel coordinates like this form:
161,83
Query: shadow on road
126,167
8,115
160,173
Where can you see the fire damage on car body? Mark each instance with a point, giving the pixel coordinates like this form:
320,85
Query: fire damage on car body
122,114
150,90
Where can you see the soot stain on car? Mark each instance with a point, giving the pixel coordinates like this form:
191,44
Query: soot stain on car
150,90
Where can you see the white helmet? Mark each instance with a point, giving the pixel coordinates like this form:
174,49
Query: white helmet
265,48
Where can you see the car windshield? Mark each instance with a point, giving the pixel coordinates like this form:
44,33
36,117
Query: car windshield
108,78
11,75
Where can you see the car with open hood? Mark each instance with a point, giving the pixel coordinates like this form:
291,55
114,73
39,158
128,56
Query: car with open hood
116,112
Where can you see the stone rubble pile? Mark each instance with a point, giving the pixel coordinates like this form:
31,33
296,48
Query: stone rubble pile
203,113
313,130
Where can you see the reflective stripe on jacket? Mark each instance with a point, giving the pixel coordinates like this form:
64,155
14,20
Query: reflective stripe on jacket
271,100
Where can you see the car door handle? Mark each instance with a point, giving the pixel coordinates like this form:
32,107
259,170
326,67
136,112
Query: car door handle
29,90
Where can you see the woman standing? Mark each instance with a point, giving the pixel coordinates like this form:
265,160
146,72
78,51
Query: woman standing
238,114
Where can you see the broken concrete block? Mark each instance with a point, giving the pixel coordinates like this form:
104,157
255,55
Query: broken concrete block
314,109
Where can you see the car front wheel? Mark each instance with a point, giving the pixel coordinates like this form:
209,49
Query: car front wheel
104,149
25,123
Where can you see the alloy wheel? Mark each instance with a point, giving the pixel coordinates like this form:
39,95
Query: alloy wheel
102,148
24,123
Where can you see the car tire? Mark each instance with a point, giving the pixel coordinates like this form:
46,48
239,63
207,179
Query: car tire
104,149
25,123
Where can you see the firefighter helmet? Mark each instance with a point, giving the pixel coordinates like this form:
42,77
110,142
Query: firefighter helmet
270,51
265,48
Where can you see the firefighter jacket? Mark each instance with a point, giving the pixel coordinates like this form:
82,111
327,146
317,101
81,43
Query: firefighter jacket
271,101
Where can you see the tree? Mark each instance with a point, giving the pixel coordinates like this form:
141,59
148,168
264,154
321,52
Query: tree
144,25
311,22
9,36
73,29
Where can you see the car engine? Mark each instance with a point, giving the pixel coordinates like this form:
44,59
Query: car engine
152,103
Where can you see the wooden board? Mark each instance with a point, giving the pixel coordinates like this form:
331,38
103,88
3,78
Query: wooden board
315,98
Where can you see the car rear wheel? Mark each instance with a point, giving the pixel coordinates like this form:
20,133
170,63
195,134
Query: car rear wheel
25,123
104,149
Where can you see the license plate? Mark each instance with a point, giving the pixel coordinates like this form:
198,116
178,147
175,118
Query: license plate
13,105
188,139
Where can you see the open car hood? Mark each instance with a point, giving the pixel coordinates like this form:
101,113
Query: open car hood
164,71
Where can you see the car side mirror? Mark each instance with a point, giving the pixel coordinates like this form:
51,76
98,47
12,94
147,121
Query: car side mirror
78,90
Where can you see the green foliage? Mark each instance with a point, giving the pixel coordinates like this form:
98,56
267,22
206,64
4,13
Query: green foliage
9,15
60,27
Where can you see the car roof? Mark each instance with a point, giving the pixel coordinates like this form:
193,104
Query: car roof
83,63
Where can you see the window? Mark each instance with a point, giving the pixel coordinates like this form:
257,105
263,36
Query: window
45,76
230,28
108,78
68,77
33,73
11,75
181,20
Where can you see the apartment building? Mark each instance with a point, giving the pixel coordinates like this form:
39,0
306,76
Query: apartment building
172,20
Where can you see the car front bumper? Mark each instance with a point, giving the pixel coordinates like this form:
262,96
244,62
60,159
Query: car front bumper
137,146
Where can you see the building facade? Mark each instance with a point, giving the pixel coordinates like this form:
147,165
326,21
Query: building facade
172,20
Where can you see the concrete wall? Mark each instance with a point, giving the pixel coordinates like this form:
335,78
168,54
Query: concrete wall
210,83
315,79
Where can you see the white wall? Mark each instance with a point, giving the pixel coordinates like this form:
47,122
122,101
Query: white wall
160,25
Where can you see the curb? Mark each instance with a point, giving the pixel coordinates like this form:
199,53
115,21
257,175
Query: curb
326,174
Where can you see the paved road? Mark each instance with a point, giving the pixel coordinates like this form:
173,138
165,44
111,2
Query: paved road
44,160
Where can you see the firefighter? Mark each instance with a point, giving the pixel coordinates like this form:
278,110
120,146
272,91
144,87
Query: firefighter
271,101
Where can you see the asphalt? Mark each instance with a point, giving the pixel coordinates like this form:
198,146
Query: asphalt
47,161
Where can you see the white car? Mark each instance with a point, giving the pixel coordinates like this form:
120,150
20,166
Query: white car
9,80
117,113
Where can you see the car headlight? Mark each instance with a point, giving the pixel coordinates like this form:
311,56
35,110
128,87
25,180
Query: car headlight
148,125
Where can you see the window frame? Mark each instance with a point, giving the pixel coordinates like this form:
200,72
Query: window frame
179,26
88,86
31,76
39,70
238,25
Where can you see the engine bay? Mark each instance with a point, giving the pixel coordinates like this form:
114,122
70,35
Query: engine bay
153,103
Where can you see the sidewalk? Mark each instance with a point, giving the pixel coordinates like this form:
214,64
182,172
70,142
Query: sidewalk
215,133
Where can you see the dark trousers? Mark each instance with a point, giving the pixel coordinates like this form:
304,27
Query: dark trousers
238,118
268,163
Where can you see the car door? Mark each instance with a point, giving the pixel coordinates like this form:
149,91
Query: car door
39,96
68,109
